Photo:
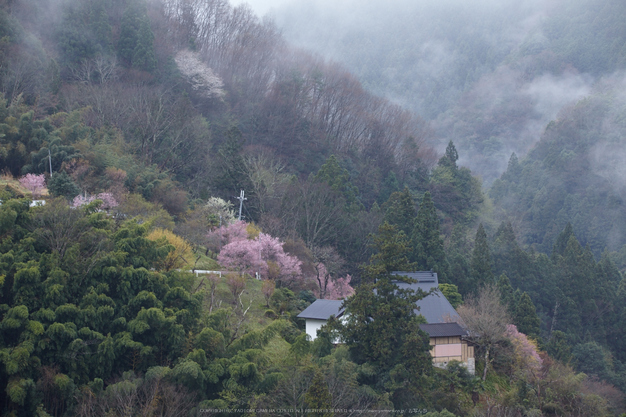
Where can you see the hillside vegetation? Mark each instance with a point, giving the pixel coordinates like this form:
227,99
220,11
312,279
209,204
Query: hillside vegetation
152,117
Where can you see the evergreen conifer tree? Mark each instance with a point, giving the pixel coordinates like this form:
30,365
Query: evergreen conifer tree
100,26
318,396
510,259
389,186
62,185
451,292
558,346
562,240
507,294
450,157
338,178
481,271
128,37
400,211
576,283
143,54
392,249
525,317
428,250
382,331
513,172
232,174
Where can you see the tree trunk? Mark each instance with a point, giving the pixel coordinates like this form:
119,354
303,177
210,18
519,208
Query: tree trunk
486,364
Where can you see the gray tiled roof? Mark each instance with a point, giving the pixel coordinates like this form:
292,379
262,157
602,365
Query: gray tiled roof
323,310
443,329
422,277
435,307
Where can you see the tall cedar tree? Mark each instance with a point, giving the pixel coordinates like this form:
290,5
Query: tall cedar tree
507,294
525,317
129,29
577,288
481,260
143,54
100,26
508,257
318,396
610,292
232,175
561,241
400,211
389,186
338,179
392,251
382,330
428,250
450,157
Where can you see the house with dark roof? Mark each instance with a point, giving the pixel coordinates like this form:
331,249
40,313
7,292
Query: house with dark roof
447,338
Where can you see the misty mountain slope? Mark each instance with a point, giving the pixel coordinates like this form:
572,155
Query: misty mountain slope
574,174
422,54
490,74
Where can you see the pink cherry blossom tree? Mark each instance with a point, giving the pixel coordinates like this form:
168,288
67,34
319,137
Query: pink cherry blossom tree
229,233
526,353
108,201
289,267
263,255
243,256
340,288
34,183
331,288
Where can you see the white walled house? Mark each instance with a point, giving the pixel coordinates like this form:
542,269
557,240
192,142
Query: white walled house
317,314
447,338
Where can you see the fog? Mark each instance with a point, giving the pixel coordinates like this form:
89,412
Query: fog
263,7
485,73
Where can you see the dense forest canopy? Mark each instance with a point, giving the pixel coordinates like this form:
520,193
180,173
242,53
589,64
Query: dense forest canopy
129,127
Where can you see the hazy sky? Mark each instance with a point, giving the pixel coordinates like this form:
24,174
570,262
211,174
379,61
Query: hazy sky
261,7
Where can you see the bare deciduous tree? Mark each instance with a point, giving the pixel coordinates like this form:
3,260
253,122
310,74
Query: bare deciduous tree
328,263
485,318
267,176
138,397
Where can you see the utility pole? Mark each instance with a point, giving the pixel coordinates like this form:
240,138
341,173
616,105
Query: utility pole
50,160
241,198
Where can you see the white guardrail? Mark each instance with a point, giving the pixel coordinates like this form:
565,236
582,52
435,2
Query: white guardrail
205,272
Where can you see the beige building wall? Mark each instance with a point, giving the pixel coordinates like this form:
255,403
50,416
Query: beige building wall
446,349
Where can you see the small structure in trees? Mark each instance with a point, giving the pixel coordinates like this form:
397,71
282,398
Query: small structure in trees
448,340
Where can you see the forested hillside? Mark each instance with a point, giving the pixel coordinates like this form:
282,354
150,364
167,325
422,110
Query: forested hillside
128,129
492,74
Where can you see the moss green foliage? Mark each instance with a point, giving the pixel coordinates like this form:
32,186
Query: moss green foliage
338,179
452,294
85,301
318,396
61,185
